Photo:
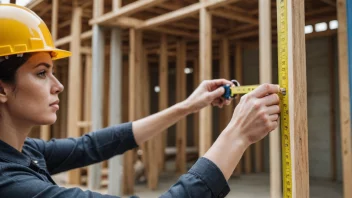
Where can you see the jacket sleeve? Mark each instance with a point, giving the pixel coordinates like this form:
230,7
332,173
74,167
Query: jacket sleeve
27,185
204,180
70,153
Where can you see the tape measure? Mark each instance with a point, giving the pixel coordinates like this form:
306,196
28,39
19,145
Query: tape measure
232,91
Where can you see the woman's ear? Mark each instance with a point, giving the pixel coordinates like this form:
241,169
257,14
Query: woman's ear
3,96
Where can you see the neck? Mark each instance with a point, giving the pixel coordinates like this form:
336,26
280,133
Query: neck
13,133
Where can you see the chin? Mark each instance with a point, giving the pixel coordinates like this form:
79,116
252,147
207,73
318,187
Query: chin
48,120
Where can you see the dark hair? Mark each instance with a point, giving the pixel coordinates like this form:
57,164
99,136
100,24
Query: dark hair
9,67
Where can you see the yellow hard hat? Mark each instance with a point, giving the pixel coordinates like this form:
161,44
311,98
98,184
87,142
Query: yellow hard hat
23,31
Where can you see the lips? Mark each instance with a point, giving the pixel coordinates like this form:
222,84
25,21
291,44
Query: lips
55,105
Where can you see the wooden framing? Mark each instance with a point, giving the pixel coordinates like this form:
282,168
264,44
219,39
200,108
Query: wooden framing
297,93
265,76
225,113
205,73
239,76
74,79
345,98
196,115
210,22
181,126
163,97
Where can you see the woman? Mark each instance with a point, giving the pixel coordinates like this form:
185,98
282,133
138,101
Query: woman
29,97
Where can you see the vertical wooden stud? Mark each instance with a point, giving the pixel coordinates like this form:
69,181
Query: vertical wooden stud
181,128
54,19
163,96
265,75
226,111
205,72
74,88
297,93
135,63
239,77
345,98
196,83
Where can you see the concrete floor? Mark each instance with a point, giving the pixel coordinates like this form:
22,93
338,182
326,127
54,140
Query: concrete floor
246,186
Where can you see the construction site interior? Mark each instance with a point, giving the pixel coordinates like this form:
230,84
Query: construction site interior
164,49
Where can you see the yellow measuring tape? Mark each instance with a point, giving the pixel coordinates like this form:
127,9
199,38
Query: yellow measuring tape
283,82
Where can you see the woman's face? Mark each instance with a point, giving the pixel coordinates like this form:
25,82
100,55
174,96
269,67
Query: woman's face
34,101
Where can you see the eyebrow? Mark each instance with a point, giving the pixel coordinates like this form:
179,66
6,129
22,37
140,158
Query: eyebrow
44,64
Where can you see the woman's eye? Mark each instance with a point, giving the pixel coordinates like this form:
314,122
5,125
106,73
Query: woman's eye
42,74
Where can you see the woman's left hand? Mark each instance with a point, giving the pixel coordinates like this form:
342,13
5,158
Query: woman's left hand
208,92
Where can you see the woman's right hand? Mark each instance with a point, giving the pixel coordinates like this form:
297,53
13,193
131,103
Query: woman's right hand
256,114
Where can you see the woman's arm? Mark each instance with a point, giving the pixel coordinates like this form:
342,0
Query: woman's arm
254,117
69,153
208,92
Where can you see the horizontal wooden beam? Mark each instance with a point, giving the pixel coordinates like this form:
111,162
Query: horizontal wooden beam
177,32
126,10
171,16
32,4
329,2
67,39
234,16
183,13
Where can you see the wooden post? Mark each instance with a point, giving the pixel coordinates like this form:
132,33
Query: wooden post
135,63
226,111
153,169
54,19
205,73
163,96
181,128
74,88
239,77
196,83
88,92
45,132
115,163
116,4
265,75
98,60
345,98
297,93
64,104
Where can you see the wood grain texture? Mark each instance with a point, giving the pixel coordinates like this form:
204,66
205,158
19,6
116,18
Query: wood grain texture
344,91
74,87
298,98
181,125
196,83
205,71
163,97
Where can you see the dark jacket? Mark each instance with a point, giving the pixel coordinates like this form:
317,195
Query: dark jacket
28,174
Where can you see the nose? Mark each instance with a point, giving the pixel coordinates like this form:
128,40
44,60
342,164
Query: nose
57,86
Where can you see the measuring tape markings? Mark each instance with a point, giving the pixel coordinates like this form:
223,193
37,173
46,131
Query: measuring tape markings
283,81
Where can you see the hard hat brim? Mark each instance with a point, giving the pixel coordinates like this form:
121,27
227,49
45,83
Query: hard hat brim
59,54
54,52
